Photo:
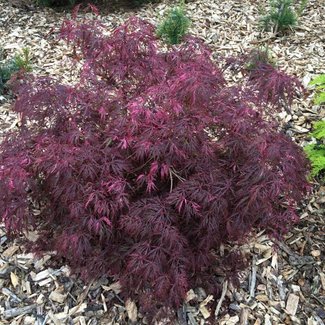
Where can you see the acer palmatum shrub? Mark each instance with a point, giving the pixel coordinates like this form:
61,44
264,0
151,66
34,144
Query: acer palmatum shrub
271,85
146,166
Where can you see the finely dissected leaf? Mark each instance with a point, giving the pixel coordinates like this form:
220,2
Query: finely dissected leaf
265,82
149,163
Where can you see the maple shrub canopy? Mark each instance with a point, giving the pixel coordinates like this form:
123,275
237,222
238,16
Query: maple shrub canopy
151,161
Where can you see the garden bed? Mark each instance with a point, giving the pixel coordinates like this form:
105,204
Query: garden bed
285,283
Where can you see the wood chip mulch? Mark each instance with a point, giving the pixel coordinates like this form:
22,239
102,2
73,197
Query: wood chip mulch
285,283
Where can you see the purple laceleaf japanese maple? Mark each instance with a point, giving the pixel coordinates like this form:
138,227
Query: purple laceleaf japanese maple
264,81
148,164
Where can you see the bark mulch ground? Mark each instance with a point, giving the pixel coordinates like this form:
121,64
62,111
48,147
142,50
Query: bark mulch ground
285,283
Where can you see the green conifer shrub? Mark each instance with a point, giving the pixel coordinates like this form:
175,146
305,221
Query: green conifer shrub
21,61
174,26
282,15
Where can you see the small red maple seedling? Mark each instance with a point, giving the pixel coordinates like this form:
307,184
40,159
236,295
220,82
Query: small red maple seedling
147,165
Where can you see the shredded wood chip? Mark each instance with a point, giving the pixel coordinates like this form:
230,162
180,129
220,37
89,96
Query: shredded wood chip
132,310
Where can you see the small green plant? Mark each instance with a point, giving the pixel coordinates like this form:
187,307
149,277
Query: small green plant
319,83
316,151
20,61
282,16
174,26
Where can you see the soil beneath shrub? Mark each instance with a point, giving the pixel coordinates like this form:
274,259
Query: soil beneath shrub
285,282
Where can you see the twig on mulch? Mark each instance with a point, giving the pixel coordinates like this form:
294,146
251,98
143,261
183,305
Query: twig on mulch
223,294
